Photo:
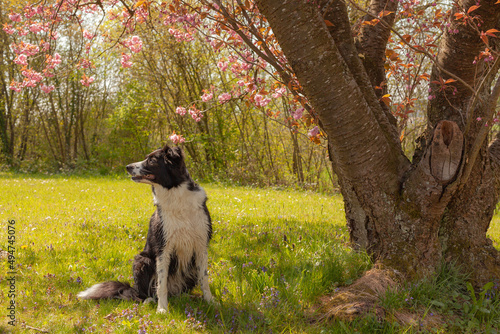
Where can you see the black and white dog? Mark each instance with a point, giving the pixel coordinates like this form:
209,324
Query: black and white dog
175,257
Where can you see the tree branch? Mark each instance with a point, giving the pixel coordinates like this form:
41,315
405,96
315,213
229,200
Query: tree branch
359,143
373,40
340,30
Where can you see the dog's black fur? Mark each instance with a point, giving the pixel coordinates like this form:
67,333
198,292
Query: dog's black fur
166,171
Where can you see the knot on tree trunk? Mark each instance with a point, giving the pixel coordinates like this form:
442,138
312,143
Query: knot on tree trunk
446,151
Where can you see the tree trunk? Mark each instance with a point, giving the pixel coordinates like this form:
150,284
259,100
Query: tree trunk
409,216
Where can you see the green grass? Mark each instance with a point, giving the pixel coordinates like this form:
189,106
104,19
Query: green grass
273,253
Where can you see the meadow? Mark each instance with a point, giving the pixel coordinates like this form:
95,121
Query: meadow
273,254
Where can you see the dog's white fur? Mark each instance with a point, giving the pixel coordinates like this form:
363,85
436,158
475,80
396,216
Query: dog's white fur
181,212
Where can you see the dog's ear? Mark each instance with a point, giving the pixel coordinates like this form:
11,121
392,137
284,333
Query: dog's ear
173,155
166,148
178,150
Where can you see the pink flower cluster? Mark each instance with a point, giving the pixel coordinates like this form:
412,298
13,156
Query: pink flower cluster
86,81
222,65
297,113
224,97
195,114
207,96
32,78
47,89
87,34
37,27
181,36
125,61
8,29
53,61
85,63
15,17
314,132
134,43
21,60
25,48
177,139
16,86
279,92
261,101
180,111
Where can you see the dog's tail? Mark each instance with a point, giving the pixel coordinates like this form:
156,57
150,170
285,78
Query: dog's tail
110,290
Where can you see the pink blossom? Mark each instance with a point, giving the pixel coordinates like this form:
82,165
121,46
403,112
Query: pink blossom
297,113
21,60
313,132
195,114
134,43
32,77
36,27
47,89
8,29
222,65
45,46
180,36
216,44
25,48
236,68
29,12
53,61
125,60
15,86
15,17
246,66
224,97
181,111
241,83
207,97
479,119
87,34
261,101
48,73
85,63
279,92
177,139
86,81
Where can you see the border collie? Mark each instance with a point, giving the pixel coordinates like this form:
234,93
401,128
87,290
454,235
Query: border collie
175,257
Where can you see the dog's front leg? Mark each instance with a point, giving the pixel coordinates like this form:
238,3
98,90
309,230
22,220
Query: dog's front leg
203,275
162,264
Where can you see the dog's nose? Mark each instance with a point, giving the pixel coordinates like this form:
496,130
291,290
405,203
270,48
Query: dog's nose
129,168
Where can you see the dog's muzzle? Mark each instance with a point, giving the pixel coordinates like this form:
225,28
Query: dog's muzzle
138,174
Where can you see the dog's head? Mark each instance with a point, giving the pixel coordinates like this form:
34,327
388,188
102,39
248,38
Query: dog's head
164,167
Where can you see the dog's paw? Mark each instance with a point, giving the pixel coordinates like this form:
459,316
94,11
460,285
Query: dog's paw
161,310
207,295
149,300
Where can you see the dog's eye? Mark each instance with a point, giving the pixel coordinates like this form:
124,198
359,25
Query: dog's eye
152,159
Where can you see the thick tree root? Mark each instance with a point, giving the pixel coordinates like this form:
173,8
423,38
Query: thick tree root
360,297
363,297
